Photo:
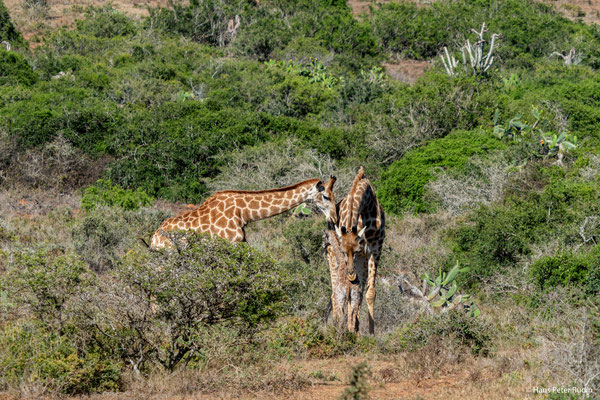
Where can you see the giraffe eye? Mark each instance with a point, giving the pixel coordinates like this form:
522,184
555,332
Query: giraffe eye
326,197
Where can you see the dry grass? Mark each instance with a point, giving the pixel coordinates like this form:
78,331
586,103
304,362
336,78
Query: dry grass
414,244
483,184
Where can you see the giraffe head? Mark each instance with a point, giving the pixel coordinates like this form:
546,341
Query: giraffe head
325,200
351,242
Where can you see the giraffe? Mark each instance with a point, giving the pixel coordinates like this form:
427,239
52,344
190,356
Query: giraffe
226,213
360,232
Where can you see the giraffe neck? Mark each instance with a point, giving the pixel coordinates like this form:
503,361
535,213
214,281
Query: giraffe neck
354,202
264,204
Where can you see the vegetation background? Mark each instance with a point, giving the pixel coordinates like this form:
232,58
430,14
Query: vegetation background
114,117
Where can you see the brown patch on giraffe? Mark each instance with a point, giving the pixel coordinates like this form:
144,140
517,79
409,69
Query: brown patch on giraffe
253,204
239,202
221,222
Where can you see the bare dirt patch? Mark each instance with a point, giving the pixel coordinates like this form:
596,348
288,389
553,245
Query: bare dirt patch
407,70
586,10
36,22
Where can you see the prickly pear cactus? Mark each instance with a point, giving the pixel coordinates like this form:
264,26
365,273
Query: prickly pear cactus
442,296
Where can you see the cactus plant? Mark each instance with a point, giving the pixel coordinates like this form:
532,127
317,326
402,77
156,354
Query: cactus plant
559,145
515,128
450,63
479,61
443,295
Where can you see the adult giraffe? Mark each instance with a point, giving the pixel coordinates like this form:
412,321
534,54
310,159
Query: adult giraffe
360,233
226,213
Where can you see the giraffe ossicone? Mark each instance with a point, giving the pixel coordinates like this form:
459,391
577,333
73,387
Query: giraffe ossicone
226,213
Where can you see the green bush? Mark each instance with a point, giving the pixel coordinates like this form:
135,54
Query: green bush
203,21
402,185
567,269
308,337
159,304
104,193
15,69
44,281
8,32
105,234
303,256
31,356
528,29
474,333
500,235
106,22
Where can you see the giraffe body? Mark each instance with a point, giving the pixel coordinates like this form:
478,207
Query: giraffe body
226,213
360,233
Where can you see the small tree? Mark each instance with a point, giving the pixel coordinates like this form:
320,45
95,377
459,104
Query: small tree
156,306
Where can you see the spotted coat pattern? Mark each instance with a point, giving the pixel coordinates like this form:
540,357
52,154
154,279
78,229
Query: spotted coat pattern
360,233
226,213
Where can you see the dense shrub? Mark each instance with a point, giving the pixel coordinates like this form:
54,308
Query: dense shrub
160,304
105,234
106,22
529,29
305,259
15,69
203,21
498,236
472,332
307,337
8,32
104,193
34,357
402,185
567,269
43,281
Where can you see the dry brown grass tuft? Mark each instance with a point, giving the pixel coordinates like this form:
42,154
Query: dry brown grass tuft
484,184
414,243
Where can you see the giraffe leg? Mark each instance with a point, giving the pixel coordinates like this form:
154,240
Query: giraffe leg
371,293
337,292
356,294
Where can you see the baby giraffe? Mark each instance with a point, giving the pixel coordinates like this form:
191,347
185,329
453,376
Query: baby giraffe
360,232
226,213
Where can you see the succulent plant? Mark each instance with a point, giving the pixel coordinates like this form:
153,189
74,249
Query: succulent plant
443,295
559,145
480,63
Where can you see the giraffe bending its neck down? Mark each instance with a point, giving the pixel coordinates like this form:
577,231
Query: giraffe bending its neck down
226,213
360,232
